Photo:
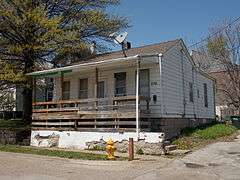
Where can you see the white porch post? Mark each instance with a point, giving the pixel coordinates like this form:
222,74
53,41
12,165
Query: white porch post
137,98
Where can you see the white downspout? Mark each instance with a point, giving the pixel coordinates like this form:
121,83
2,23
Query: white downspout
137,98
161,86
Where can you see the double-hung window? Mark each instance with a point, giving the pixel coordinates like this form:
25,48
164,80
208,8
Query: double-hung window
205,95
66,90
120,84
83,89
190,92
101,89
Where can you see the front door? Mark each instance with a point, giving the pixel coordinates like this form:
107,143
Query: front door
101,94
144,84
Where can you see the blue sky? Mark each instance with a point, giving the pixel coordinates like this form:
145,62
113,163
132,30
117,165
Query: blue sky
154,21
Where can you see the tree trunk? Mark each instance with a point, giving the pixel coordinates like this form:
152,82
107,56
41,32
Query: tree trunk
27,90
27,104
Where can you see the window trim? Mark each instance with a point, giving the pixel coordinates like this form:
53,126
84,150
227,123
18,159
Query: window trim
64,92
191,98
104,88
83,91
124,87
205,91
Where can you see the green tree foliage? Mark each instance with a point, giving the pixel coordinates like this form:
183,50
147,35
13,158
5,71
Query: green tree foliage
33,32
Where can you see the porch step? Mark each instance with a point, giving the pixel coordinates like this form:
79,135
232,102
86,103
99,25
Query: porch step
170,148
166,143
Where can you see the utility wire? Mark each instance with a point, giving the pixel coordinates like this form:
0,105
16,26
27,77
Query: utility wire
205,39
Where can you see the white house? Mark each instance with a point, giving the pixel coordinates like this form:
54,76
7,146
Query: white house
155,89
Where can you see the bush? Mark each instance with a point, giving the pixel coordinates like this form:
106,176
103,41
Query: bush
139,151
216,131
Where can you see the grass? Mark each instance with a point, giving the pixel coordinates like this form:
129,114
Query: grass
54,153
12,124
196,137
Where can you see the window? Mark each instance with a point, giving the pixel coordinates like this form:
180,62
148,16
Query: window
198,94
205,95
49,89
120,84
83,89
101,89
66,90
191,92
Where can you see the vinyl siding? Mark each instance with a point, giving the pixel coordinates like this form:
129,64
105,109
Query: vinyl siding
177,73
171,89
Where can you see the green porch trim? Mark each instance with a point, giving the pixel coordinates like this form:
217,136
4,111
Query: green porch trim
51,74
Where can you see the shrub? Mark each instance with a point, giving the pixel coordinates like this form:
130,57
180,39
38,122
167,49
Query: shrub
194,137
216,131
139,151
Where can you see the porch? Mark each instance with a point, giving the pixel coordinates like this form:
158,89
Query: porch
108,100
90,115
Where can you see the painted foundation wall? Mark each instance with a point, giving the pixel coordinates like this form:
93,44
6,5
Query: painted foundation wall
78,140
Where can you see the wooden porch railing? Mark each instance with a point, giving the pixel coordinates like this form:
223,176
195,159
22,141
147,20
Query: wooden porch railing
105,113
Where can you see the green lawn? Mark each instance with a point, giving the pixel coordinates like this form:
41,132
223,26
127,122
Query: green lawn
195,137
56,153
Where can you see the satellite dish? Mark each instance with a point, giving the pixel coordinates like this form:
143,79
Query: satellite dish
120,38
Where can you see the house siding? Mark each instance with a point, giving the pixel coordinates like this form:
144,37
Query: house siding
177,73
108,77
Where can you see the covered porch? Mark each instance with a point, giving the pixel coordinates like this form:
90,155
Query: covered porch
105,96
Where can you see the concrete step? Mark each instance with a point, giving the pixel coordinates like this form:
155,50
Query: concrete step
167,143
179,152
170,148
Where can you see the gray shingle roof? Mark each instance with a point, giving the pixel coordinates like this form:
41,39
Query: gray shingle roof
148,49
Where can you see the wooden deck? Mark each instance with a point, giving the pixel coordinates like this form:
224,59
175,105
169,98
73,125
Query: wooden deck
108,114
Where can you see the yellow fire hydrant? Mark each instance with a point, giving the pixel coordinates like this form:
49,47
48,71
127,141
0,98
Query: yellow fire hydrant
110,149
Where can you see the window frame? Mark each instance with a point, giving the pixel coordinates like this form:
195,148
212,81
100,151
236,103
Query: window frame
83,92
66,91
99,93
49,89
191,98
116,86
205,91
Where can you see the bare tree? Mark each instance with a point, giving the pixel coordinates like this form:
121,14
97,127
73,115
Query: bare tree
223,49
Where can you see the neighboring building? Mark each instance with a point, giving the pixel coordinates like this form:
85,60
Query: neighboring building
214,69
155,89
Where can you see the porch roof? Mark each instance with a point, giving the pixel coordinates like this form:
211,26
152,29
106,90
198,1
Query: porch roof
84,66
87,66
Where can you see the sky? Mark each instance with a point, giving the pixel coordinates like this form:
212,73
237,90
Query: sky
153,21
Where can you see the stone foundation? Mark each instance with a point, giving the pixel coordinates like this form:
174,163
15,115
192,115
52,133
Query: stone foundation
173,126
140,147
14,137
149,143
8,136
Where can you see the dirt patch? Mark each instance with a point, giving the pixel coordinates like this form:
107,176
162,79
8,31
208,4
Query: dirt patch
213,164
194,165
233,153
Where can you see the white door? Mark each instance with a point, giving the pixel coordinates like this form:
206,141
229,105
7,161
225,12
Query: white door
144,84
101,94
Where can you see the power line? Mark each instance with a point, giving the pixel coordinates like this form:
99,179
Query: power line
205,39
